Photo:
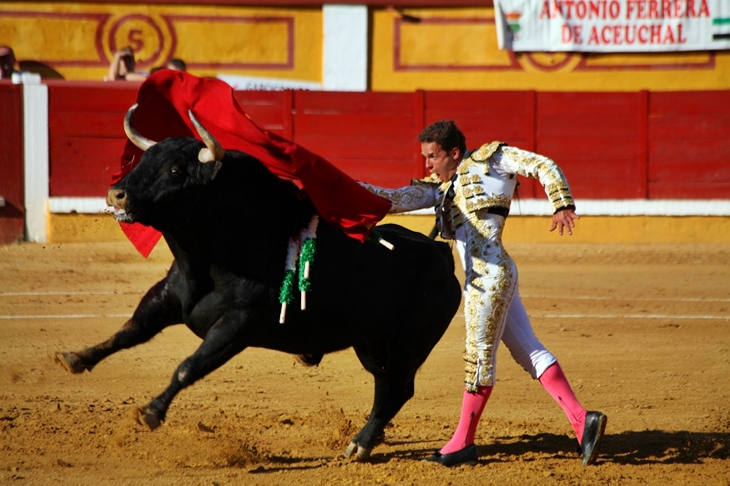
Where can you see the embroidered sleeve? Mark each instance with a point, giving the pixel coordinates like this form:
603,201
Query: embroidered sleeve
543,169
408,198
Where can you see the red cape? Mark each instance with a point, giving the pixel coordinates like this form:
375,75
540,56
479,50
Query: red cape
164,100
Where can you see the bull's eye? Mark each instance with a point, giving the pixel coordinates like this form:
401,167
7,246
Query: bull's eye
175,171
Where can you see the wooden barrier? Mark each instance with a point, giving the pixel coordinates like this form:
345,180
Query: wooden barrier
688,145
611,145
11,163
86,136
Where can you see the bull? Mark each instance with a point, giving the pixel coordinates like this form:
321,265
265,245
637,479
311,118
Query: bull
228,222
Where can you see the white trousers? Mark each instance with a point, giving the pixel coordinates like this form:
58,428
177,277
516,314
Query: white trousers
493,310
521,341
517,334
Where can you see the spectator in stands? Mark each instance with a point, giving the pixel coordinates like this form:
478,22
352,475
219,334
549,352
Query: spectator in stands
7,62
174,64
122,67
177,65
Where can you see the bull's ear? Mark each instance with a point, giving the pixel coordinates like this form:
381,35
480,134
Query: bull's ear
216,167
203,174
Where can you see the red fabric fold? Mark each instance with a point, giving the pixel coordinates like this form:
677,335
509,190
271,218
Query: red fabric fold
164,100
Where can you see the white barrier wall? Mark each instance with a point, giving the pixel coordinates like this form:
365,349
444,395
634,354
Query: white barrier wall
35,148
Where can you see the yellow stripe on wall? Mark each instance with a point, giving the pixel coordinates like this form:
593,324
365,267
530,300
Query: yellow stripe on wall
602,229
94,228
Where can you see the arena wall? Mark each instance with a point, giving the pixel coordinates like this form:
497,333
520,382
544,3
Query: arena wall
643,166
643,138
12,204
645,145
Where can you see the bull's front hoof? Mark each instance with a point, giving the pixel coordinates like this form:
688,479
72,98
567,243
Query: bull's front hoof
363,453
146,418
70,361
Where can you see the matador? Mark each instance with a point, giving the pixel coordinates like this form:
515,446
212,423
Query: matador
471,193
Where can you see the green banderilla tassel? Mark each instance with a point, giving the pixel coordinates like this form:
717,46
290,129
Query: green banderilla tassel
306,258
286,294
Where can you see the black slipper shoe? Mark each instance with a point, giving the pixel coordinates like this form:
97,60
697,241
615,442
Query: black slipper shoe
466,456
592,433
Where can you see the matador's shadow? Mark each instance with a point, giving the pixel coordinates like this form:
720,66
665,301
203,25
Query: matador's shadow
661,447
635,448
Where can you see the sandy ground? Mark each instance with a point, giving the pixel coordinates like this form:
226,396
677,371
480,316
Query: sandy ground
643,333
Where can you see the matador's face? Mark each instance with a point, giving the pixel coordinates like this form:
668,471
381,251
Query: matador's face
439,161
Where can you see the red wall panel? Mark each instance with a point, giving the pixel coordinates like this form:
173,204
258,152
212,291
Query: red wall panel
328,102
86,135
271,110
690,189
689,145
594,137
486,116
368,135
610,145
483,116
92,95
90,164
12,221
384,172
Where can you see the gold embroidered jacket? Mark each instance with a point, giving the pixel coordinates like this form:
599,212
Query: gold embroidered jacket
485,179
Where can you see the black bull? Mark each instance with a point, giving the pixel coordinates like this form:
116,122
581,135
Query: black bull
228,225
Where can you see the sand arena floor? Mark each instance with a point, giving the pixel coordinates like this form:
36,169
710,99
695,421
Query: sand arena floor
643,333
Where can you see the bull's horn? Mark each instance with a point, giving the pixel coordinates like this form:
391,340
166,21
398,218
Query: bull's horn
214,150
133,135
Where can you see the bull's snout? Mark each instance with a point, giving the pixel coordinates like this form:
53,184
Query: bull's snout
116,198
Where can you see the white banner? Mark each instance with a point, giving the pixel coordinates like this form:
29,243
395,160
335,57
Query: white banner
267,84
613,25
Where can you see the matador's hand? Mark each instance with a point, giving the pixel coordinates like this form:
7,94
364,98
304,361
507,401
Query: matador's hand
564,218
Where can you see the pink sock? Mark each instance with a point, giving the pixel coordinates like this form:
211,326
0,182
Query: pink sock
471,410
556,384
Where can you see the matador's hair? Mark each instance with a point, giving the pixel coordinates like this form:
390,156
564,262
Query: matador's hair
446,134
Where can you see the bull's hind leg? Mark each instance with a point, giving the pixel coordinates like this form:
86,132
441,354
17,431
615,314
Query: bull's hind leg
222,342
394,367
158,309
